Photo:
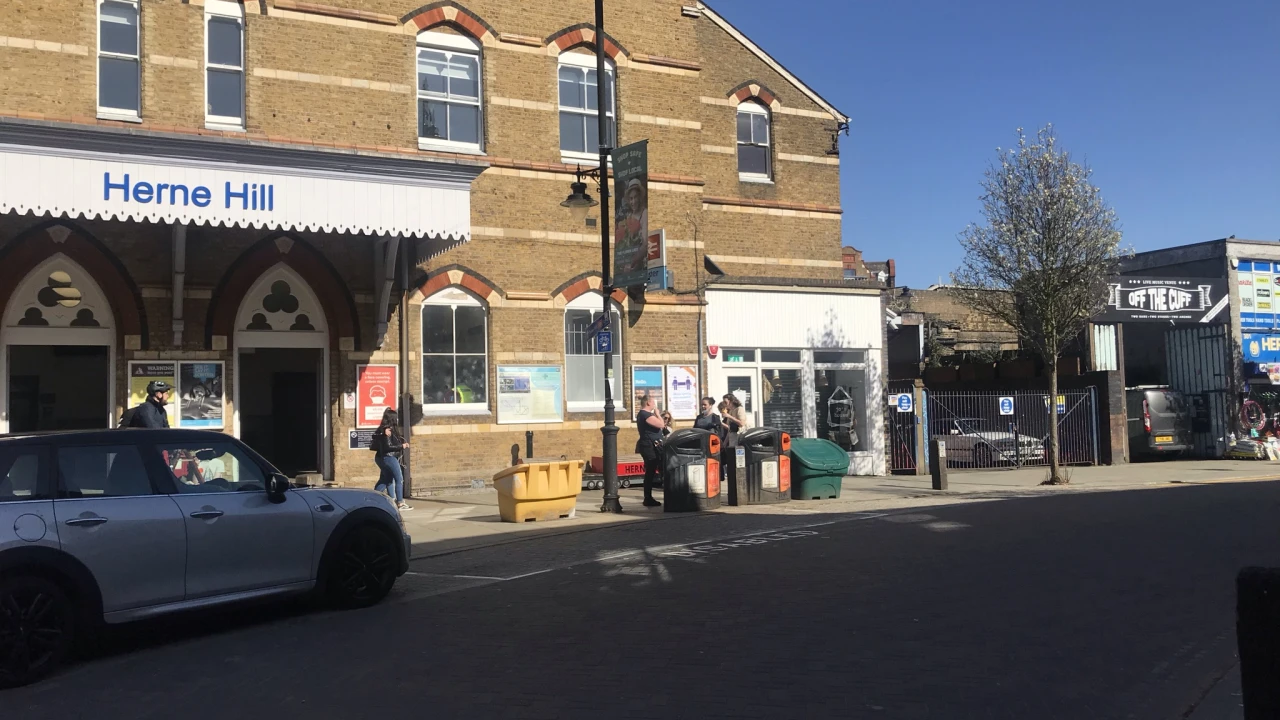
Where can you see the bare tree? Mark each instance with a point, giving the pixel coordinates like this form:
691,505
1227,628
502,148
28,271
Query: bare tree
1042,260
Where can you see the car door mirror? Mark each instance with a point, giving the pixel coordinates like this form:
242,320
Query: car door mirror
277,486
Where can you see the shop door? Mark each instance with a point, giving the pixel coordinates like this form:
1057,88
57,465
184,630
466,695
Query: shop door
280,407
781,400
59,387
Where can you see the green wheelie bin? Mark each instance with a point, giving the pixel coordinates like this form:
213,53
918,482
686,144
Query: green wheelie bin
817,468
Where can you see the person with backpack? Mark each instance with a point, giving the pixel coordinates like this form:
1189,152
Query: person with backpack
151,413
388,443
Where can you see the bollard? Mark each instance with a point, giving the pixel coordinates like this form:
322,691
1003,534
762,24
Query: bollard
938,463
528,443
1258,641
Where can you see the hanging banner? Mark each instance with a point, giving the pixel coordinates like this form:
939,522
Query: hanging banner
631,215
200,394
646,382
142,374
530,394
682,391
377,390
1152,299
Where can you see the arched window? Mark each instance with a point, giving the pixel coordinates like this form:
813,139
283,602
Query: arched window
449,100
579,119
455,352
584,367
753,142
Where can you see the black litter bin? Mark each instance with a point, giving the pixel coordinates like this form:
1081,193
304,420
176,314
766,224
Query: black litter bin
767,477
692,471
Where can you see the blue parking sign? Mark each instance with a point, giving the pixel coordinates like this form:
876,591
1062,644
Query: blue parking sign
1006,406
904,402
604,342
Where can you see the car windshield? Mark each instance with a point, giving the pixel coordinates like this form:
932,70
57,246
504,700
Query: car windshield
1166,402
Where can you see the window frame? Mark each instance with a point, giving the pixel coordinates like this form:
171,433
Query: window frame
752,107
44,490
106,112
452,297
581,62
450,45
221,10
594,302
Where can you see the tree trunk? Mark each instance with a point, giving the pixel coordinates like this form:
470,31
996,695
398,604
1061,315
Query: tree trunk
1055,469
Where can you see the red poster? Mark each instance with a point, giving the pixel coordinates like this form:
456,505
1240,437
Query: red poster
377,388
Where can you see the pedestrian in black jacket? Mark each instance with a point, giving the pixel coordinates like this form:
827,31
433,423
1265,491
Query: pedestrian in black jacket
151,413
388,443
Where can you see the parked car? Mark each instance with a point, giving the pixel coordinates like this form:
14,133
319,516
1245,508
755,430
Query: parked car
968,444
120,525
1159,422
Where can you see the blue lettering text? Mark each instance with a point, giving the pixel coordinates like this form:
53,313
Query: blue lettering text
243,195
201,196
142,192
108,186
173,195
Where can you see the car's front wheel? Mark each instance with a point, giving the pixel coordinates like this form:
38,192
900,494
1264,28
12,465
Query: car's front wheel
37,628
363,569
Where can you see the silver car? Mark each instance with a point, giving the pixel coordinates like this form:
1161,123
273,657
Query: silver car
116,526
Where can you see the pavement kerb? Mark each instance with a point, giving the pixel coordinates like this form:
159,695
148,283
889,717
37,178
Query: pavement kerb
841,506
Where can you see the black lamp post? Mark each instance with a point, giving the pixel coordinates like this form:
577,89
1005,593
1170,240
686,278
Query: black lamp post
579,202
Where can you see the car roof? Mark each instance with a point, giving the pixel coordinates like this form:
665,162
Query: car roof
115,437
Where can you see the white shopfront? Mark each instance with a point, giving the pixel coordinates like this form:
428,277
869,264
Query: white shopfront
64,342
807,360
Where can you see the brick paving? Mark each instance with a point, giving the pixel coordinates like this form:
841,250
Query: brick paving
1085,605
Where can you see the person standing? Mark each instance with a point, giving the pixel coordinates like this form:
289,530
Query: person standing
708,419
648,446
151,412
735,420
389,446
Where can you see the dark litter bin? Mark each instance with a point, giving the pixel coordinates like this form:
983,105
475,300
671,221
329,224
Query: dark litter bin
691,467
818,468
767,477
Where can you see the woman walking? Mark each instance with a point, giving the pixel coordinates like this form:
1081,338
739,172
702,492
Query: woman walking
389,445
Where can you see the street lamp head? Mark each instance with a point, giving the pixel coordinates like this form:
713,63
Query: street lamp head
579,201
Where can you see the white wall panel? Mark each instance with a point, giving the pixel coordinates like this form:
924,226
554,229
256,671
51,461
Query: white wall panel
766,319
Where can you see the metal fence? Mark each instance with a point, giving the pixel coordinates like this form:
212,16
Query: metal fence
902,434
986,429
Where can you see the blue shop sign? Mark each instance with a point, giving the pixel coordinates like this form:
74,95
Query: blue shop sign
1261,348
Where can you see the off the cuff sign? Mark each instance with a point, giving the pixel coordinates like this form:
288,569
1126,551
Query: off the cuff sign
1144,299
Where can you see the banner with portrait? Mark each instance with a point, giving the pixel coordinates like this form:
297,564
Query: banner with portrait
631,215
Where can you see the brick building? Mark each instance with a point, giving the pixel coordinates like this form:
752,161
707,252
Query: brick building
224,190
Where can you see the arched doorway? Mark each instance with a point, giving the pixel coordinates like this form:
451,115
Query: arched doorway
281,371
57,351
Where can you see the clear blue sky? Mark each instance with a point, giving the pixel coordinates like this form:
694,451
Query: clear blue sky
1174,104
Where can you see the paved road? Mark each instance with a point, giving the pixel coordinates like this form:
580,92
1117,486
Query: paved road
1107,605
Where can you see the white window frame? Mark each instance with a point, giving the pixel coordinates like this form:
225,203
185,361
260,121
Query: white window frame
752,107
594,302
224,10
454,298
110,113
450,45
585,62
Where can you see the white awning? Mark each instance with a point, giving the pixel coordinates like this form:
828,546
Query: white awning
60,181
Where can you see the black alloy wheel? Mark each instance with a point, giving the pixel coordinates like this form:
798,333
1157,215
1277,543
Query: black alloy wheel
37,622
363,569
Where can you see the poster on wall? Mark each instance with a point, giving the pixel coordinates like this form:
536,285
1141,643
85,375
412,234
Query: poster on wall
142,374
200,399
1256,282
646,381
377,388
530,394
631,220
682,391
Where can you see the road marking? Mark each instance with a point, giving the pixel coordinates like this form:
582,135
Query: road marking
464,577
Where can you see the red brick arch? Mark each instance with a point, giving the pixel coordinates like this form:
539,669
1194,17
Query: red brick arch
754,90
456,275
588,282
584,34
37,244
325,281
452,14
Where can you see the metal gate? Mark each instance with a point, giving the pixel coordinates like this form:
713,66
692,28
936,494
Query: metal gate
902,433
1197,360
986,429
